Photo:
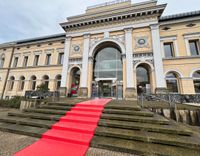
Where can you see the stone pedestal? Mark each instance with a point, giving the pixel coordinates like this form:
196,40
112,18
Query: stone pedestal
161,90
130,94
83,92
63,92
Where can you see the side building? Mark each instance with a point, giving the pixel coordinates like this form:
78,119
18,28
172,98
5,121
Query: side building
113,50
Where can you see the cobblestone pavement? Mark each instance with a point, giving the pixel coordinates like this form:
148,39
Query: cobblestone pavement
11,143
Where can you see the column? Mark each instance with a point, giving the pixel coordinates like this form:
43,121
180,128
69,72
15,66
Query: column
63,89
84,72
130,90
158,64
90,76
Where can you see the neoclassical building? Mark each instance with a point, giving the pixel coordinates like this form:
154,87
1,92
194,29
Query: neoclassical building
117,49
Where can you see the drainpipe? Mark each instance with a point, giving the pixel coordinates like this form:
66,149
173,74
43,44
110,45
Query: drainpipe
8,71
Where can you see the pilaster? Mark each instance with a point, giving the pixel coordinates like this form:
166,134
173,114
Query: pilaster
84,73
158,63
63,88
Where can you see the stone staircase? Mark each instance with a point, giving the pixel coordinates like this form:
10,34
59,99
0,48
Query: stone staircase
123,127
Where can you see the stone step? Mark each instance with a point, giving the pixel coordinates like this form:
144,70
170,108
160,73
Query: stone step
140,148
46,111
151,137
128,112
27,121
70,104
35,115
22,129
119,117
167,129
56,107
123,107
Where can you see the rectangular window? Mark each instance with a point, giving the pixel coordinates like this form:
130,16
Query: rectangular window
48,59
25,63
194,47
36,60
2,62
15,62
60,58
169,49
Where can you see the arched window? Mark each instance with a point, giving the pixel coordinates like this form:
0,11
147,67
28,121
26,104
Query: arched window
11,83
21,83
33,82
2,60
46,80
196,77
143,79
172,82
75,81
58,82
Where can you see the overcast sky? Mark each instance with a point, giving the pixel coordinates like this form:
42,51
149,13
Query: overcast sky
21,19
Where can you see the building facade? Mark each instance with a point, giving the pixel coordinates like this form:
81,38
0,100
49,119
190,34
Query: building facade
117,49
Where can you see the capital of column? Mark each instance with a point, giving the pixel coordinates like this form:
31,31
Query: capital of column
123,56
154,26
128,30
91,59
68,38
86,36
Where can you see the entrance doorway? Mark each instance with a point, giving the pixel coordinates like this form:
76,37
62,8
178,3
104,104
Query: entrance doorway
143,79
107,71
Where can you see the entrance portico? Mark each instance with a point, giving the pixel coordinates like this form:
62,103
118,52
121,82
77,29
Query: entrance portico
107,54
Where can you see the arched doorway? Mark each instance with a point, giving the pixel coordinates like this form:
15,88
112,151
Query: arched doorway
75,81
143,78
107,71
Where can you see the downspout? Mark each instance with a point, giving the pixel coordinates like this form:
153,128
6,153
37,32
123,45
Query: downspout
7,74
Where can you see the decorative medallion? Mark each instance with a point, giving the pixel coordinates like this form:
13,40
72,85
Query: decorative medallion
76,48
141,42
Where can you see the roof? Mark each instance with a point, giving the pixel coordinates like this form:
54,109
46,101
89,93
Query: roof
36,39
180,16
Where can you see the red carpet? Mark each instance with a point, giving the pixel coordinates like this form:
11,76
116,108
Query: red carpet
71,136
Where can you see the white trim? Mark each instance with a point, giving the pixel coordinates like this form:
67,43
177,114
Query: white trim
158,64
193,71
86,46
74,66
192,35
92,49
164,38
176,48
187,46
65,62
144,62
174,70
129,57
145,23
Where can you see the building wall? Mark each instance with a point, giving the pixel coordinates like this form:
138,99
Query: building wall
52,70
182,63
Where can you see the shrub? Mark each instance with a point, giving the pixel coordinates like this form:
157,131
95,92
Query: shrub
11,103
42,88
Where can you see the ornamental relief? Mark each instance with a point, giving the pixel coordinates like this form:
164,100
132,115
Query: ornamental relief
142,42
119,38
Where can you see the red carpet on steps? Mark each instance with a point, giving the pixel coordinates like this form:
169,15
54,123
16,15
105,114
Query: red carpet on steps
70,136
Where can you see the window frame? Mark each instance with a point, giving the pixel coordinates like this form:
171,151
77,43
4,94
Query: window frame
48,59
196,41
36,60
171,44
15,61
25,64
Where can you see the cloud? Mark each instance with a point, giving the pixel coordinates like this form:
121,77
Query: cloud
32,18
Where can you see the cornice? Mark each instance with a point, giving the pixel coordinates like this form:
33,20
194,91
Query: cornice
132,14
